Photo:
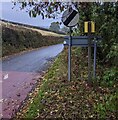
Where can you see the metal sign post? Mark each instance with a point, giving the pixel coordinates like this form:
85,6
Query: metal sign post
70,19
94,67
89,53
69,56
89,27
82,41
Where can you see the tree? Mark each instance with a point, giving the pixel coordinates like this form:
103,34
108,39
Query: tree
55,26
103,14
65,29
105,17
45,9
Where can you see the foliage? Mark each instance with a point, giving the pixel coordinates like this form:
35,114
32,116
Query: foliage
17,38
112,56
109,106
45,9
65,29
107,27
77,99
110,77
105,17
55,26
56,97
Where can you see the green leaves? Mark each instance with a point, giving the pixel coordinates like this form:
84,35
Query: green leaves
24,4
32,13
48,9
55,26
110,76
58,98
113,54
106,26
42,15
104,109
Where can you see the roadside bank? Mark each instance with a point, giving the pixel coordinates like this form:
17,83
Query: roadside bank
56,97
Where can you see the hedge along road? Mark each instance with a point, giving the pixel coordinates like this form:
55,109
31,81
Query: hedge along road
20,73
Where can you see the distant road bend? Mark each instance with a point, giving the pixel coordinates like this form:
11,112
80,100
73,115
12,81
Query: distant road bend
19,74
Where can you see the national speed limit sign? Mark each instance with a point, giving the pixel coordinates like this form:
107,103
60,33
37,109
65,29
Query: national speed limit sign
70,18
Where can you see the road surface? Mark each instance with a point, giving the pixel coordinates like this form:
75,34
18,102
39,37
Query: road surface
20,73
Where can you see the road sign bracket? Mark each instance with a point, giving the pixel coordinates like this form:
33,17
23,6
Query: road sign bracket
81,41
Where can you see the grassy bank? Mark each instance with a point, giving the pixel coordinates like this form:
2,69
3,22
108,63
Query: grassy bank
55,97
17,38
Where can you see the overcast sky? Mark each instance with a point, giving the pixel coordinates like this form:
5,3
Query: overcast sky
16,15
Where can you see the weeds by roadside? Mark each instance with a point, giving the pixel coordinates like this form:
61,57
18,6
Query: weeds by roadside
58,98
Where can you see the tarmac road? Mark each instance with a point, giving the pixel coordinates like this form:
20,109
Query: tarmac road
20,73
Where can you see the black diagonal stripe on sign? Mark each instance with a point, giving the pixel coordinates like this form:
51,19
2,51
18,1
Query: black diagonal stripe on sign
71,16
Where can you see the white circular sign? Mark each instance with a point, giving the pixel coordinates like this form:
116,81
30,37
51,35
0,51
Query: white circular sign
70,18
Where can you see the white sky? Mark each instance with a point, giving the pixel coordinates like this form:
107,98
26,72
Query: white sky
16,15
65,0
21,16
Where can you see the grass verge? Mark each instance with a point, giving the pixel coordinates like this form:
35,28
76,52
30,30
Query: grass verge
55,97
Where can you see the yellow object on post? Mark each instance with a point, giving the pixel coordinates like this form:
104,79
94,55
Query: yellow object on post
92,27
86,29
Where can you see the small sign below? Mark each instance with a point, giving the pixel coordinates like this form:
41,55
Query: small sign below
80,41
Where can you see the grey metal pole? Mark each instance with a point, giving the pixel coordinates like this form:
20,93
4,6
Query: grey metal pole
89,53
69,56
94,67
